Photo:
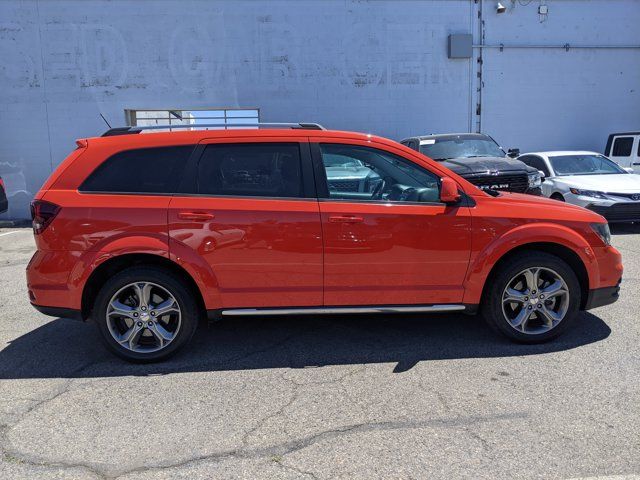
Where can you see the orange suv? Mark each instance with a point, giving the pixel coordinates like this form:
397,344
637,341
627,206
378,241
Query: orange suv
147,233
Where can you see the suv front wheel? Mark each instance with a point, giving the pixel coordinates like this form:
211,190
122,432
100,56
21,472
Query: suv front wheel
532,298
145,314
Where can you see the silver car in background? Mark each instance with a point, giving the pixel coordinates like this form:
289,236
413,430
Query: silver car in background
590,180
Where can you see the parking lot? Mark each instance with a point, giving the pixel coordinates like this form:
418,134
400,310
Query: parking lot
338,397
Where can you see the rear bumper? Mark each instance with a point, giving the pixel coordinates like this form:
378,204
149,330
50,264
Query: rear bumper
599,297
48,280
59,312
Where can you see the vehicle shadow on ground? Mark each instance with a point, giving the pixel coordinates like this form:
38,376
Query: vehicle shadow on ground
72,349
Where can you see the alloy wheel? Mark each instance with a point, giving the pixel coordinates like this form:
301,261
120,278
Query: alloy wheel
143,317
535,300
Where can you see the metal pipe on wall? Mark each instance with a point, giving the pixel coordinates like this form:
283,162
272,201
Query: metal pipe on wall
566,46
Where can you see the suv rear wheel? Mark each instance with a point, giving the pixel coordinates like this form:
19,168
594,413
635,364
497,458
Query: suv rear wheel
533,298
145,314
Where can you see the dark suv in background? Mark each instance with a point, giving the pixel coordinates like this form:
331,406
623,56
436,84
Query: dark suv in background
4,205
480,160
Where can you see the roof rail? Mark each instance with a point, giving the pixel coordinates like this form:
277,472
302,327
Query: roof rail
112,132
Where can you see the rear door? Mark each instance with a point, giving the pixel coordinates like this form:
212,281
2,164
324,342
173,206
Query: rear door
249,210
388,240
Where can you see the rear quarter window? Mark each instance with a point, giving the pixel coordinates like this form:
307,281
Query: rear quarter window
147,170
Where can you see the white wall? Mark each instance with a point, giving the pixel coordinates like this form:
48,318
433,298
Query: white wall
379,66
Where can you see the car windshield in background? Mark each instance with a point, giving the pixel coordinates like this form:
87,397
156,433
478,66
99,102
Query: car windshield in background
460,147
584,165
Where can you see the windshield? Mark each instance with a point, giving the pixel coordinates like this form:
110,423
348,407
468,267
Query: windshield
460,146
584,165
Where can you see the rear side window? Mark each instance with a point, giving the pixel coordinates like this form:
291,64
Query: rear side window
622,147
251,169
146,170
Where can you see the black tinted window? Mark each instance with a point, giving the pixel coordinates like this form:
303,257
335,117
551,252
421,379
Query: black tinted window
251,169
147,170
622,147
535,162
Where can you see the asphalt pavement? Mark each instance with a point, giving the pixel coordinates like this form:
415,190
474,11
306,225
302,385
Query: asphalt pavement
365,397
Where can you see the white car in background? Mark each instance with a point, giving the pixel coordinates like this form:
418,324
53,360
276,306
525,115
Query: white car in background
590,180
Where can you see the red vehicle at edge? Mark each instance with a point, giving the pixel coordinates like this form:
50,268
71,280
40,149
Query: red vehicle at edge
145,234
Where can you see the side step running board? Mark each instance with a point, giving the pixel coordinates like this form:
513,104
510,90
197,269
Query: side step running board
333,310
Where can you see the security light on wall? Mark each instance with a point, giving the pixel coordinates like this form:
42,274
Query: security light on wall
500,8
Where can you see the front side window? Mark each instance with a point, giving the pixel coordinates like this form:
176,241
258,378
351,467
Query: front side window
622,147
146,170
584,165
368,174
251,169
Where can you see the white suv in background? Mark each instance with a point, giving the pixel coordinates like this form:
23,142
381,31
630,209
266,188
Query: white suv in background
590,180
624,149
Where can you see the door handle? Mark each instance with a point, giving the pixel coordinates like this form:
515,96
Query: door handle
197,216
345,219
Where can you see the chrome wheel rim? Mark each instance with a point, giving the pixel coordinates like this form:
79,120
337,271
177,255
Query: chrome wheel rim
143,317
535,300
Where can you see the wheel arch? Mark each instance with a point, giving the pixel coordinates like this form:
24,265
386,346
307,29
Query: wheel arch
118,263
563,252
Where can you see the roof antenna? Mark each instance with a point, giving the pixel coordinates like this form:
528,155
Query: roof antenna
105,120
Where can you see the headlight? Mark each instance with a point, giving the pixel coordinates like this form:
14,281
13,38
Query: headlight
535,180
602,229
588,193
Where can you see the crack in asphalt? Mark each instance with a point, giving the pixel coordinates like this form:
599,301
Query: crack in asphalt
243,452
297,470
12,455
293,446
279,450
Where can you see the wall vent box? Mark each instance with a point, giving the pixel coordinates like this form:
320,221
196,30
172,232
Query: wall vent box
460,45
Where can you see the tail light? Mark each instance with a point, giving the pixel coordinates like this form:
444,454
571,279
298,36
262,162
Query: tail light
2,183
42,214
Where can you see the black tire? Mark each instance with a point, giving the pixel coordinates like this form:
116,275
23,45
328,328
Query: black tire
189,311
557,196
492,306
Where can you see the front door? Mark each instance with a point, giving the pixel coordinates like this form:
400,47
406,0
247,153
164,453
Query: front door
254,219
388,240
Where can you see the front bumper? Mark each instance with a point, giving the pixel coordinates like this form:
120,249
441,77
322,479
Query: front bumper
614,209
599,297
618,212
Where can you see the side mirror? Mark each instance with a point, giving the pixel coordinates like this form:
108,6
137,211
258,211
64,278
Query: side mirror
630,169
449,191
513,152
542,175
